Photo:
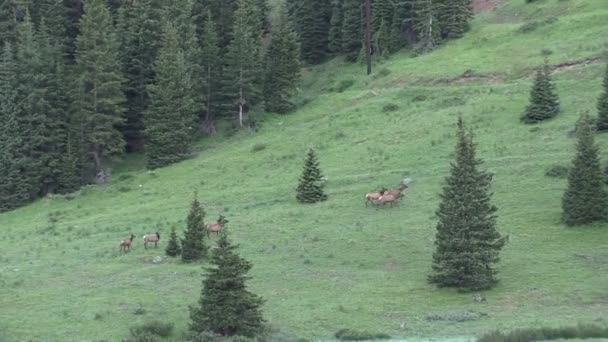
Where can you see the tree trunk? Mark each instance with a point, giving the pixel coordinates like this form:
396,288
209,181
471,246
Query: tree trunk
368,36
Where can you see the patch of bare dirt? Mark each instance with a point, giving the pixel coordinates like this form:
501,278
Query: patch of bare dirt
480,6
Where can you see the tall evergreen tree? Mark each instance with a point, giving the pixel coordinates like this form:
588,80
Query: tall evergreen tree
170,116
402,25
310,188
382,11
139,27
282,66
193,244
426,24
211,66
544,103
173,249
467,242
312,23
585,200
352,33
226,307
222,12
335,27
73,9
602,106
242,73
99,100
8,21
454,16
14,190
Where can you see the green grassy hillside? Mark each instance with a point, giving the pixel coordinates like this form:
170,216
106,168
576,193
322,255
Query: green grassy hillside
338,264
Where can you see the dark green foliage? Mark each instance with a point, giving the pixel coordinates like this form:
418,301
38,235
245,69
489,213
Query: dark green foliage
226,307
547,334
170,116
454,17
310,188
99,97
312,22
352,29
193,244
154,328
335,29
211,67
73,9
282,66
355,335
382,17
544,103
222,12
602,106
402,25
585,199
558,171
467,242
8,21
242,75
426,25
139,27
173,249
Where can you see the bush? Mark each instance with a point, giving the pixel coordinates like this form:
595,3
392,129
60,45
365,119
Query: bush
529,27
258,147
390,107
154,328
354,335
546,334
344,85
455,316
558,171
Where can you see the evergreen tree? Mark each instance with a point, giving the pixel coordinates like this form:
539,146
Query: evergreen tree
312,23
602,106
310,189
352,34
402,25
454,16
8,21
99,96
544,103
193,244
467,242
242,73
139,25
14,191
382,12
173,249
585,200
282,66
222,12
426,25
73,9
211,66
170,116
335,28
226,307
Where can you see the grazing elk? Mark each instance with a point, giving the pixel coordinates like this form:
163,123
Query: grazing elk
398,192
125,244
388,198
151,238
216,226
373,197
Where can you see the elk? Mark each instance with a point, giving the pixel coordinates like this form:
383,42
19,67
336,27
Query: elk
151,238
373,197
216,226
125,244
388,198
398,192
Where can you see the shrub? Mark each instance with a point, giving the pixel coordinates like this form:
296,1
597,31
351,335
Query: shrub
124,176
529,27
546,334
382,73
546,52
390,107
155,328
455,316
124,189
558,171
139,311
344,85
354,335
258,147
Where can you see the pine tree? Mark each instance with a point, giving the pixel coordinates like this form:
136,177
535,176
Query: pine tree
585,200
426,25
282,66
222,12
467,241
193,244
335,29
170,116
8,21
226,307
99,105
173,249
454,17
14,191
242,74
310,189
602,106
352,34
211,66
311,20
73,9
382,13
402,25
139,27
544,103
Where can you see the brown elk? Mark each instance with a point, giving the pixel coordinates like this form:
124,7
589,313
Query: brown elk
388,198
397,192
151,238
373,197
216,226
125,244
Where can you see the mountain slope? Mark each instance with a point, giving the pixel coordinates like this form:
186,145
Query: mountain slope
338,264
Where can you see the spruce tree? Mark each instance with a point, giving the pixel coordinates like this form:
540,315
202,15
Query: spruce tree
193,243
402,25
544,103
99,97
282,66
242,76
310,188
426,24
173,249
8,21
602,106
454,17
352,34
467,242
226,307
312,23
170,116
585,199
222,12
335,28
211,66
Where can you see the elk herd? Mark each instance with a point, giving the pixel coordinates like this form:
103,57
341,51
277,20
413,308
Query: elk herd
377,198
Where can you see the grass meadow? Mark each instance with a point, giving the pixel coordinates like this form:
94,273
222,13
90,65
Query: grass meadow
338,264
